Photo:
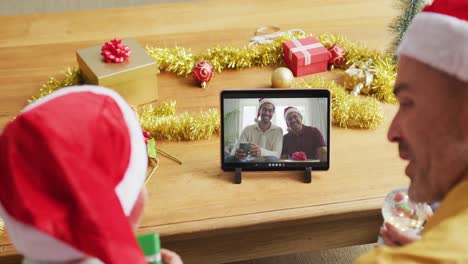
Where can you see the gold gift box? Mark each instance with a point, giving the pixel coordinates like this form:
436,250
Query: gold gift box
358,80
134,79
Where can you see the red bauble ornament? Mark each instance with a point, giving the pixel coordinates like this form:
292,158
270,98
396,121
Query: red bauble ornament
337,56
146,134
202,72
115,51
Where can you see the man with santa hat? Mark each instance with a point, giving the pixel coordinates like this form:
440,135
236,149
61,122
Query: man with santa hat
264,139
431,130
302,138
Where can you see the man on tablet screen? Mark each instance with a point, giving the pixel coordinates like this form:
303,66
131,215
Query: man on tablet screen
302,138
262,141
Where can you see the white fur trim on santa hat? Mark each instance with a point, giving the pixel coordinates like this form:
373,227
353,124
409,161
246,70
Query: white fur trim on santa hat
261,102
265,101
37,245
440,41
291,110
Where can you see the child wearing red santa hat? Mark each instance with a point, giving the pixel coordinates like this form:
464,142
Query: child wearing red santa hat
72,171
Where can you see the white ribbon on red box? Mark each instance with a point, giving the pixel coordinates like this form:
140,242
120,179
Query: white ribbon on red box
304,49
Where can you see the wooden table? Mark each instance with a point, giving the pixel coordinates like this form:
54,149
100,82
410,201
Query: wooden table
196,208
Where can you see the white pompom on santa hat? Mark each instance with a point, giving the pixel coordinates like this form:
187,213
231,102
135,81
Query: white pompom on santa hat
72,165
261,102
438,36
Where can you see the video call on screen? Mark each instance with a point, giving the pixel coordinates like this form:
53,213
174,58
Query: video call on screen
240,114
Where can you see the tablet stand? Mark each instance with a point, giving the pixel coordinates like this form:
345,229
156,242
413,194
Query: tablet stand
308,175
238,176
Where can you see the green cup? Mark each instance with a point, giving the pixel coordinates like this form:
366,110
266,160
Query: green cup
151,246
245,147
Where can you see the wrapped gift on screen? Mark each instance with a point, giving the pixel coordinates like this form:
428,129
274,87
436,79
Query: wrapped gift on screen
123,66
305,56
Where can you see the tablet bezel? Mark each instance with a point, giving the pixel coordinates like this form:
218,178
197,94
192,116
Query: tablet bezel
284,93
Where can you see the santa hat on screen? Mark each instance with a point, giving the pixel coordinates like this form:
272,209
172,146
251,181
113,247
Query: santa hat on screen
438,36
261,102
72,165
290,109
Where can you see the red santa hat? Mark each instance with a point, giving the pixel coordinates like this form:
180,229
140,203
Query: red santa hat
290,109
438,36
72,165
261,102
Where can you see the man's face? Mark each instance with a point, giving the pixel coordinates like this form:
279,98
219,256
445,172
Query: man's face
294,121
266,112
428,128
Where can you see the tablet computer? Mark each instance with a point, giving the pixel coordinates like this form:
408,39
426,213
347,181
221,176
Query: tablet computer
275,129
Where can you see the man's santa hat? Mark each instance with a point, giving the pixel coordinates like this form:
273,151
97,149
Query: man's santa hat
261,102
72,165
438,36
290,109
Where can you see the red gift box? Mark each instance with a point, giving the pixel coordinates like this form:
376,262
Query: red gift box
305,56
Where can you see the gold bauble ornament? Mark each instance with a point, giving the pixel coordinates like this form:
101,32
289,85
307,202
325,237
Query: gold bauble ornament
282,78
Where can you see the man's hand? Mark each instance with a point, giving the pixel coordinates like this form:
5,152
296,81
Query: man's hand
255,151
240,154
169,257
393,237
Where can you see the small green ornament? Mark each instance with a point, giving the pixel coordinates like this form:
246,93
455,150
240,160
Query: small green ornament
152,151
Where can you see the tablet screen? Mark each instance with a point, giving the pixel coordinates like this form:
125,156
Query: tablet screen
275,129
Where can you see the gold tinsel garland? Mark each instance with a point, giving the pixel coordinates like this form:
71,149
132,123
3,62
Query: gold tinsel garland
181,61
348,111
382,85
71,77
164,123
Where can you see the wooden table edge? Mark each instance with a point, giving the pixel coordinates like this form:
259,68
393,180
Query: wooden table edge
267,220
